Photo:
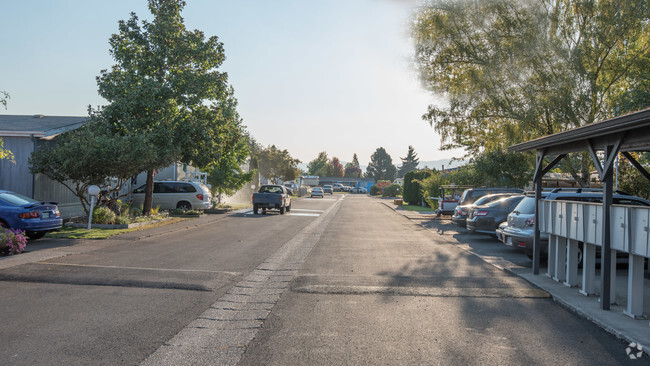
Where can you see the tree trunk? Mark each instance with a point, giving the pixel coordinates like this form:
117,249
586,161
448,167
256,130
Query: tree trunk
148,195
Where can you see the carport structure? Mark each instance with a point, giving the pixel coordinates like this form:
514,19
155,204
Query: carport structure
613,228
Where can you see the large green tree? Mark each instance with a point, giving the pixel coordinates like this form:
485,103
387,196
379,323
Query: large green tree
516,70
91,155
275,164
501,168
227,175
410,162
381,166
319,165
165,85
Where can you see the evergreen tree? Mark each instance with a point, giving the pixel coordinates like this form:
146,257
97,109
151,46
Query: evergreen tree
410,162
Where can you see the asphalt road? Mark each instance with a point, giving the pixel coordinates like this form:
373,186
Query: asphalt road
120,300
340,280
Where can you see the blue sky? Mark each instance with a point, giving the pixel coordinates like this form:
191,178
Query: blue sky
310,76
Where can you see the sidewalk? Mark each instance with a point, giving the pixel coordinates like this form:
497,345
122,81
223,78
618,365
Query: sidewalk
613,321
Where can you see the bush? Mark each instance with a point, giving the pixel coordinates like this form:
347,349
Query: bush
122,220
412,185
103,215
374,190
392,190
12,241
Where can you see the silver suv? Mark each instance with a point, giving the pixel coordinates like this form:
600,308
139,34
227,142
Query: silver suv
169,195
519,231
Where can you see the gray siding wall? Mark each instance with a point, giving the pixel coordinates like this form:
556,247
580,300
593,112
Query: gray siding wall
16,177
46,189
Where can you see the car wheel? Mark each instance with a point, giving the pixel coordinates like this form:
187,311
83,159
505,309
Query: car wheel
255,209
4,224
184,205
33,235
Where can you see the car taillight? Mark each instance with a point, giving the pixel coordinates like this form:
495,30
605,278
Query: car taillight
529,222
29,215
480,213
57,213
199,196
462,213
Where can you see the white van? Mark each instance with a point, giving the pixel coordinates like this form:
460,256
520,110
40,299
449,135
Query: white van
169,195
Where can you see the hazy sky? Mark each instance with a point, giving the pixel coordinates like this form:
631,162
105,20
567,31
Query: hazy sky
310,76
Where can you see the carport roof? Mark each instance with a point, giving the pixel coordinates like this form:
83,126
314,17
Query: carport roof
38,125
633,128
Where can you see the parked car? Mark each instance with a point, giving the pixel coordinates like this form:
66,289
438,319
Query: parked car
338,187
519,230
358,190
486,218
470,195
460,212
317,192
169,195
34,217
328,189
272,197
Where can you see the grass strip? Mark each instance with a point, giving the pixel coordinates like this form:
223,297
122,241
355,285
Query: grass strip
67,232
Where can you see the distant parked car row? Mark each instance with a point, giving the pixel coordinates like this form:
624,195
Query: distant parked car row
336,187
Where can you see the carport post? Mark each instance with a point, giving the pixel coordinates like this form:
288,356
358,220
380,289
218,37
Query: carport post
538,196
606,253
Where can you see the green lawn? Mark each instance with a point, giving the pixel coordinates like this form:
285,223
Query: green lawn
82,233
416,208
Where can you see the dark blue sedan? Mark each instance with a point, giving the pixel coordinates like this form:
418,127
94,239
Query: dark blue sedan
34,217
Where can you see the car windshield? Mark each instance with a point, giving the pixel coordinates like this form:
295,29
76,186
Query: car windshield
506,201
16,199
489,198
270,189
526,206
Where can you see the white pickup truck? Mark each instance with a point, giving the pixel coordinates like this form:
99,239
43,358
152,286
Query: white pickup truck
272,197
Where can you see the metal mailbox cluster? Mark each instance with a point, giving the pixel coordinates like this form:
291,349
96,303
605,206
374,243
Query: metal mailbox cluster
570,223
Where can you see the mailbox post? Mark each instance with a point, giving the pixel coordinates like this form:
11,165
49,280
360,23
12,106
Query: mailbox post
93,191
